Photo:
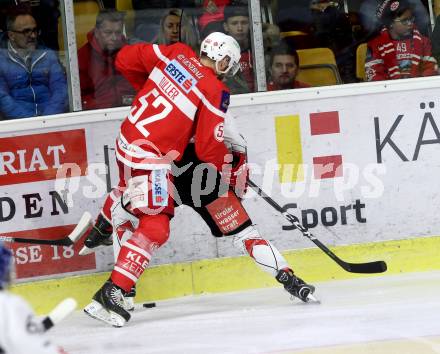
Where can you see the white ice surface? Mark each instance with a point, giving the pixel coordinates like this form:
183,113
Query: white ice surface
267,321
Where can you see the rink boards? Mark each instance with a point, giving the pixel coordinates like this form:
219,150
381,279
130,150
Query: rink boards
358,164
238,273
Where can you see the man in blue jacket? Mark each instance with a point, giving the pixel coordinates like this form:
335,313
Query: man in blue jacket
32,80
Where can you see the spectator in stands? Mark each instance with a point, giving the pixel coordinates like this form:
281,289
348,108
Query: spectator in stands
400,50
236,24
271,35
331,28
44,12
149,12
371,12
271,40
322,23
102,86
284,66
175,27
32,80
213,15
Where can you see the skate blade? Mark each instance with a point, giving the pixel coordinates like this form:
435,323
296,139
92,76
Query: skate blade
311,299
128,303
98,312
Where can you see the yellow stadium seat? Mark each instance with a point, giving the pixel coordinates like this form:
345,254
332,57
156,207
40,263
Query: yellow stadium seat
317,67
85,18
124,5
85,13
361,55
292,34
127,7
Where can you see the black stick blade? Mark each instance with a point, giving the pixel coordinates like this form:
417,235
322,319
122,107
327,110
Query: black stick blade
60,242
371,267
368,267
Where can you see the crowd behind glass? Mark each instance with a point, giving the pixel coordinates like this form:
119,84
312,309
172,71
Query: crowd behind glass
306,43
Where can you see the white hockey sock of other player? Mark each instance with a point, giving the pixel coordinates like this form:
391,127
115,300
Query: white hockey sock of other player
265,254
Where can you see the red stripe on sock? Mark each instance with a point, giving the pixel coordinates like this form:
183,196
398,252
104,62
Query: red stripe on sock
250,243
132,262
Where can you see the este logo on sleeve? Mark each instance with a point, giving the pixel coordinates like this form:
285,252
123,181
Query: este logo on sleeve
180,76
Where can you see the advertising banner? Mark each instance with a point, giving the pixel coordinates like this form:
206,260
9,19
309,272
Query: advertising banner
44,176
353,169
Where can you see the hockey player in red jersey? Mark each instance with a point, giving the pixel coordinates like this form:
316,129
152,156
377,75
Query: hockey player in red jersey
175,81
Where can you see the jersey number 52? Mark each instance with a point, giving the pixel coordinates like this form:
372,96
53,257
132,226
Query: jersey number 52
137,111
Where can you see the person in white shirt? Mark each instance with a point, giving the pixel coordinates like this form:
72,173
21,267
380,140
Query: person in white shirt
20,330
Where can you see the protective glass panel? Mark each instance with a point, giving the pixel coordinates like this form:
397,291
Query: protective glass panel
100,33
149,21
325,42
33,79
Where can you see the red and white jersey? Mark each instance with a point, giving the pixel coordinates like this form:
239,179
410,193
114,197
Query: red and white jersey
178,99
389,58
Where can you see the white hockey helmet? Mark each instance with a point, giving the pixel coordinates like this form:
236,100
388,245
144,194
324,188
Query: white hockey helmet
218,45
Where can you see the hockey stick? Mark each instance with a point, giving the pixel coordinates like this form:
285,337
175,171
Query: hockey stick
84,223
369,267
59,313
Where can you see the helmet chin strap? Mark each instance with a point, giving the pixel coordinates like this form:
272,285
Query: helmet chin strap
222,72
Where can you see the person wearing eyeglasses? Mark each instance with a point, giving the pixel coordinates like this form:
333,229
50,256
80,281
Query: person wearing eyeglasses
32,80
399,51
372,11
102,86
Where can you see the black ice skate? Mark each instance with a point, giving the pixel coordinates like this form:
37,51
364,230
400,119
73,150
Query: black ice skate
296,286
99,235
108,305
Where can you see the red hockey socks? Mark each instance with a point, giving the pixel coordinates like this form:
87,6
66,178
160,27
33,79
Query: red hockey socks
135,254
131,263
